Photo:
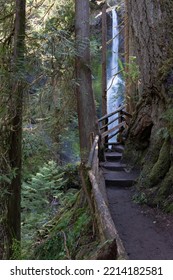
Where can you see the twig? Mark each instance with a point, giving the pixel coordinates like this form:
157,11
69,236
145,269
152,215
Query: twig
7,16
65,245
48,11
114,78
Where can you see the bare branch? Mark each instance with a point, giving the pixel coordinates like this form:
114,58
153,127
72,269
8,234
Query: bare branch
114,78
65,245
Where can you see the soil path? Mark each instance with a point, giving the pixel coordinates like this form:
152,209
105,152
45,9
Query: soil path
146,233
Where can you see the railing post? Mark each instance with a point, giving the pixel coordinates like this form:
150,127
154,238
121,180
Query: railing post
106,138
91,139
101,149
120,120
120,114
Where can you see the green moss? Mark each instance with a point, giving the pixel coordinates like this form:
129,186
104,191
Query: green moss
132,156
140,198
67,234
156,178
169,208
106,251
161,166
52,249
166,68
148,161
164,190
87,251
166,185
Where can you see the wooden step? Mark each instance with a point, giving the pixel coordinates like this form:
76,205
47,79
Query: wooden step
120,178
113,156
122,183
115,166
118,148
112,143
115,147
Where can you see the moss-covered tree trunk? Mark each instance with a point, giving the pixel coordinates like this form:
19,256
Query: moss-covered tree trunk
150,135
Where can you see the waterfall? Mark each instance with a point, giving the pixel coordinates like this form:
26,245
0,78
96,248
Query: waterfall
114,82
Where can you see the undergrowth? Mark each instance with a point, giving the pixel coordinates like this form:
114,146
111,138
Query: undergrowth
44,195
53,227
65,235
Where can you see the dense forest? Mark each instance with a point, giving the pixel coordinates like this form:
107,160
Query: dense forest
54,60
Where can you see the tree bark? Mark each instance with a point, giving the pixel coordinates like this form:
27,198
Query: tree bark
149,42
126,47
131,83
151,129
104,50
85,99
104,66
15,151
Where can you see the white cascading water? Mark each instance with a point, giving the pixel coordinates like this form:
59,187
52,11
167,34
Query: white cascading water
114,82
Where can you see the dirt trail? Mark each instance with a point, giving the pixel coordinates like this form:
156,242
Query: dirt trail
146,233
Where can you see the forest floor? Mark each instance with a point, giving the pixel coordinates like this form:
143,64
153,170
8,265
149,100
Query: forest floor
147,233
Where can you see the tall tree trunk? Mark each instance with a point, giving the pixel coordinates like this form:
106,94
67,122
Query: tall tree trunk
126,47
104,64
151,132
131,82
150,43
15,151
104,51
85,98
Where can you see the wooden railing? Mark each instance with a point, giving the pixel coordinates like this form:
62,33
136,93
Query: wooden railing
105,224
122,119
103,217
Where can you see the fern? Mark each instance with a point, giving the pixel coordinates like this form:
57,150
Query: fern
44,194
42,187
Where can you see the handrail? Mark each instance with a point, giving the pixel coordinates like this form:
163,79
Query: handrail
104,220
114,120
92,152
99,207
122,119
106,133
126,114
98,200
120,126
111,114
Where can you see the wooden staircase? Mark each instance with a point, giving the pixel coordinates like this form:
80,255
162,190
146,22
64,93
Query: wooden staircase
131,233
115,172
106,169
